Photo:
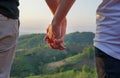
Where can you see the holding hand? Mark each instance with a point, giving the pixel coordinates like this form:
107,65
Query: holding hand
54,37
56,31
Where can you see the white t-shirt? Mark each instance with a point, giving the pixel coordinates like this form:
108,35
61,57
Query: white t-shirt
107,36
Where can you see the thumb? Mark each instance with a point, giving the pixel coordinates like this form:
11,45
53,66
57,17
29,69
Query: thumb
46,38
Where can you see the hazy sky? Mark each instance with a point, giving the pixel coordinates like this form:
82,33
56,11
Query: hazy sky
35,16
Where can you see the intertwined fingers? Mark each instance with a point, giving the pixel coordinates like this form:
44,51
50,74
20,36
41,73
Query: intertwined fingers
50,38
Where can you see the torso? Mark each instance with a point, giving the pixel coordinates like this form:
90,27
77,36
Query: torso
108,28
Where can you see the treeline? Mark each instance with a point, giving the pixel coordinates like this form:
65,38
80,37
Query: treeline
34,57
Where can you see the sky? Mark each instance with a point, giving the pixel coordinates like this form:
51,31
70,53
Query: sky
35,16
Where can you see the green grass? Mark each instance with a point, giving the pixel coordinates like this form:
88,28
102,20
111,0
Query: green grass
69,74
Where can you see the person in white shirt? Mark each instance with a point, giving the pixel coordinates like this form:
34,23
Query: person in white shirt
107,39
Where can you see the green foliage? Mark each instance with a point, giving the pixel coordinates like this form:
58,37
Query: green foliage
34,57
69,74
83,38
88,52
30,41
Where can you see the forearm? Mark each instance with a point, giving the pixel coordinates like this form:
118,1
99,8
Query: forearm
52,4
61,12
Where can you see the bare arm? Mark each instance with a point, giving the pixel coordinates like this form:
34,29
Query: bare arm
61,12
53,4
57,29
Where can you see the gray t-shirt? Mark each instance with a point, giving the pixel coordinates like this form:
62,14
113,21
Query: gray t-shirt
107,36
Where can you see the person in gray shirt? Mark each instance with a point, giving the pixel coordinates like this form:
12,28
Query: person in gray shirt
9,31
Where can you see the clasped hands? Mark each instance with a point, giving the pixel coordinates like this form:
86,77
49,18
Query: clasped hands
55,37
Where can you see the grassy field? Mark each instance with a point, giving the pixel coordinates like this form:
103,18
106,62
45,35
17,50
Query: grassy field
69,74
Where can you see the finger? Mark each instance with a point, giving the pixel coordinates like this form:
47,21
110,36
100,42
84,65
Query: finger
48,29
53,46
61,46
46,38
58,41
51,43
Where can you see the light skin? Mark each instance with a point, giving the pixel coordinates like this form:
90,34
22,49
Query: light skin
53,5
56,30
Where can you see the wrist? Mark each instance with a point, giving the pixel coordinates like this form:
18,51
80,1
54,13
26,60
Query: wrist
55,23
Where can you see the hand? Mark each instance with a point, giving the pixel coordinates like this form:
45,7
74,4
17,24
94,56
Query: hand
55,35
53,39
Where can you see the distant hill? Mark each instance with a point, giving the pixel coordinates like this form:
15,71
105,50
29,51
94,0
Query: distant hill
30,41
33,40
75,61
82,38
35,57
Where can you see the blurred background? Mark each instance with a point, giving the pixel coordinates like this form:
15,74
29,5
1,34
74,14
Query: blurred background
35,16
35,59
